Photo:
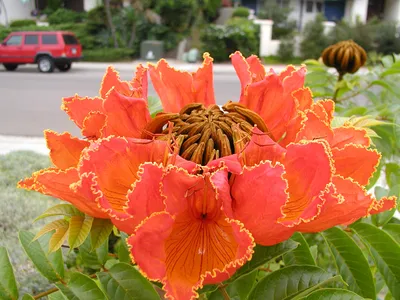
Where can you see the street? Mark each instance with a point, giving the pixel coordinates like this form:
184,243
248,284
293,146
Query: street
30,101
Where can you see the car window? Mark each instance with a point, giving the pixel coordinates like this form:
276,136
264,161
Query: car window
31,40
49,39
70,39
14,40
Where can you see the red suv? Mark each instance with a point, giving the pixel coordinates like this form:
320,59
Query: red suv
47,49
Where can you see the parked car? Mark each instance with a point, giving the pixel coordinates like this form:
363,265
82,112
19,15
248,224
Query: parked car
47,49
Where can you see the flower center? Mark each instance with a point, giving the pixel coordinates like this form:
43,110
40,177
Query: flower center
203,134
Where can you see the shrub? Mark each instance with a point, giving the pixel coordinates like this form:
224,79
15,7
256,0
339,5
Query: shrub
241,12
96,19
22,23
108,54
314,40
286,50
177,15
237,34
211,10
282,27
63,15
4,32
387,41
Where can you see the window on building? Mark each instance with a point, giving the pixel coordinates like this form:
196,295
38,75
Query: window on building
319,7
49,39
31,40
15,40
309,6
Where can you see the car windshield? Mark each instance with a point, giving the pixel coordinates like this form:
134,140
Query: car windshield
70,39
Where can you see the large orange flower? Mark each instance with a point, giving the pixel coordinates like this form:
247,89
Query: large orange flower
198,184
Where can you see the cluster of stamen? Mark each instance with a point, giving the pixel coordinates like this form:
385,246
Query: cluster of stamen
203,134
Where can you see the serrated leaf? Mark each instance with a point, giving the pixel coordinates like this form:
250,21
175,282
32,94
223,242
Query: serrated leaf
101,229
292,281
58,238
79,228
93,259
82,287
155,105
50,265
301,255
60,210
262,255
123,281
61,223
237,290
385,252
350,262
393,230
8,285
333,294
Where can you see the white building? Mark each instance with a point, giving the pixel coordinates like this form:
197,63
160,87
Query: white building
22,9
304,11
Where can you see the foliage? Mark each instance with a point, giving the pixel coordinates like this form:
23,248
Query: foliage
387,41
178,16
286,50
241,12
108,54
22,23
283,26
210,9
237,34
63,16
314,40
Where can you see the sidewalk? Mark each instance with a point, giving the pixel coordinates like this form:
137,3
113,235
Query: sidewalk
14,143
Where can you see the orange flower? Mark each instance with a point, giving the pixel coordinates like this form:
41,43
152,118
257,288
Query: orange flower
198,185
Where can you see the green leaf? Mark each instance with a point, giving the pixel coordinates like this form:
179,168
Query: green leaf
123,281
385,252
392,171
155,105
60,210
58,238
333,294
82,287
385,85
61,223
101,229
123,251
384,217
393,230
262,255
79,228
8,285
28,297
301,255
50,265
350,262
93,259
291,281
237,290
56,296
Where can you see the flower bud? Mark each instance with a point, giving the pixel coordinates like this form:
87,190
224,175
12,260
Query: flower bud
345,57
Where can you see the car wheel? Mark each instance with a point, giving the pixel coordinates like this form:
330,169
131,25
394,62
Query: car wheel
64,67
45,64
10,67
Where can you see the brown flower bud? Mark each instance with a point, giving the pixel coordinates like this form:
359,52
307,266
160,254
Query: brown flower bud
345,57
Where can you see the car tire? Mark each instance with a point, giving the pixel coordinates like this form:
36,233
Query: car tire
10,67
45,64
64,67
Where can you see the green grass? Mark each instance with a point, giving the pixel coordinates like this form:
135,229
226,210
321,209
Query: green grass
18,209
275,60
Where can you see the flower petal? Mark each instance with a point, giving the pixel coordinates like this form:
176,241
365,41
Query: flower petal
356,162
314,128
303,97
145,196
78,107
56,183
309,169
346,135
256,68
93,125
259,212
344,203
115,162
294,80
65,150
177,89
260,148
242,70
125,116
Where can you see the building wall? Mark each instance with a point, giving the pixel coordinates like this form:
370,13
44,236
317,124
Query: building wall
392,10
90,4
356,9
16,9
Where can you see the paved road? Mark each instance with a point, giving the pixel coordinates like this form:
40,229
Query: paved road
30,101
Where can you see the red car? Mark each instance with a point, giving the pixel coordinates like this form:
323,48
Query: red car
47,49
